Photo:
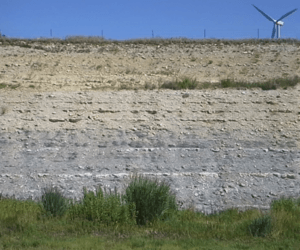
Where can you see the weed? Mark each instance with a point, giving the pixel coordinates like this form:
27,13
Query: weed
125,86
205,85
103,207
185,83
96,222
3,85
286,212
14,86
16,215
153,200
285,204
149,86
261,227
38,66
210,62
164,72
53,202
267,85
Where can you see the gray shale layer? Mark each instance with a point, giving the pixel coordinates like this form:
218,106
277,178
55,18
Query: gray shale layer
217,148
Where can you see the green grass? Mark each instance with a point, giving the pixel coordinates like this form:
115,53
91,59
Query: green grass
185,83
189,83
12,86
108,220
103,207
265,85
2,85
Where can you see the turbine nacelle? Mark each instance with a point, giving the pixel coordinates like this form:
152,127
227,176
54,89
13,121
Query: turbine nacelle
279,23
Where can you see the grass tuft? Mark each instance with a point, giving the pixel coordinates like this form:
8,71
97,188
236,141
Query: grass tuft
3,85
185,83
266,85
53,202
104,207
261,227
189,83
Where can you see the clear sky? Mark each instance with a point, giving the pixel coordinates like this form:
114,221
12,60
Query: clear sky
129,19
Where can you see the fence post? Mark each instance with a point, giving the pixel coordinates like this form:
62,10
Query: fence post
204,33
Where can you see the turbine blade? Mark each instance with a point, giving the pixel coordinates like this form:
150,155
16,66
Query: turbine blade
287,14
273,31
265,15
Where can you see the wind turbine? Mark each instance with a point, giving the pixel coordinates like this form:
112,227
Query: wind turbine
277,23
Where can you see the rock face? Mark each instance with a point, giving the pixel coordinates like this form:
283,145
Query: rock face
216,148
64,121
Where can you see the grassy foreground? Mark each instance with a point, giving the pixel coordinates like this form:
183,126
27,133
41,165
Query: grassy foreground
145,217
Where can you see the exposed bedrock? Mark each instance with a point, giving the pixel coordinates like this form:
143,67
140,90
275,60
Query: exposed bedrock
217,148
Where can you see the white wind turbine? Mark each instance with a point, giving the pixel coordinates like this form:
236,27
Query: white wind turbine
277,23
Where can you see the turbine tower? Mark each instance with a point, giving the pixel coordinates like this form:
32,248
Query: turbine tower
277,23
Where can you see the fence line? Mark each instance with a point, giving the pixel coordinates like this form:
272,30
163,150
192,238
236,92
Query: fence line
200,33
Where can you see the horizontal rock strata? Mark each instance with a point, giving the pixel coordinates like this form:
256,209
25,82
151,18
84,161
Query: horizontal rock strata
216,148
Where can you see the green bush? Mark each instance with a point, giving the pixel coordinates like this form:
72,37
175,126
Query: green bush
261,227
103,207
153,200
53,202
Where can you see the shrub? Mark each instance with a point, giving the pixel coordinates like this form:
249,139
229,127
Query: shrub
53,202
152,199
227,83
261,227
103,207
185,83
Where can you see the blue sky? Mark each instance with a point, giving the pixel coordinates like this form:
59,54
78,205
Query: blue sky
128,19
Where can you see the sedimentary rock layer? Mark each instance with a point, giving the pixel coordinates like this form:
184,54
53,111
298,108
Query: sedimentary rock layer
217,148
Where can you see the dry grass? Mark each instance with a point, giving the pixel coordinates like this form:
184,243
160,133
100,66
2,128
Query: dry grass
81,42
